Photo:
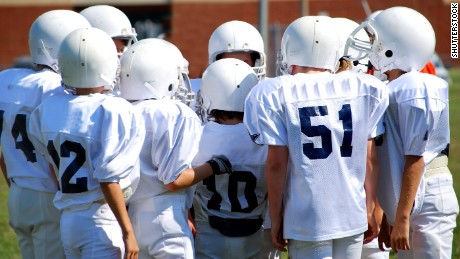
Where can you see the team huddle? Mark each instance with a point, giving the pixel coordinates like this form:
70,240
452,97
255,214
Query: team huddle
110,150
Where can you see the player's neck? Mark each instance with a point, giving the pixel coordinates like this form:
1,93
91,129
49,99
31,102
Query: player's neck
40,67
88,91
394,74
306,70
227,121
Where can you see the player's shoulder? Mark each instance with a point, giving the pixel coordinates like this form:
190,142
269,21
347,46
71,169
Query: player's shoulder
12,75
268,87
16,72
364,83
361,78
114,103
416,79
45,78
166,109
415,85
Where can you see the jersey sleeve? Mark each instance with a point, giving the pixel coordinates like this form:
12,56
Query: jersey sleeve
122,138
177,147
379,129
379,104
262,116
413,126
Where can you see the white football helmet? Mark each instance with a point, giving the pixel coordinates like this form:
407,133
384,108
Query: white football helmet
238,36
402,39
345,27
111,20
149,71
87,59
47,33
309,41
225,85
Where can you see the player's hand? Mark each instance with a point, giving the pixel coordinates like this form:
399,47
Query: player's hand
400,236
191,224
277,235
384,235
131,247
372,229
220,165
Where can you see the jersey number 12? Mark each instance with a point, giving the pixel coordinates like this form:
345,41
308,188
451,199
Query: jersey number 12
81,183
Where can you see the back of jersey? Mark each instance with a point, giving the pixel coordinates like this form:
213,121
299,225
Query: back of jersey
325,120
173,131
241,194
417,123
89,139
22,91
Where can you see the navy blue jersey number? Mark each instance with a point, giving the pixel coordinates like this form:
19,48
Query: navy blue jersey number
20,136
312,152
81,183
235,177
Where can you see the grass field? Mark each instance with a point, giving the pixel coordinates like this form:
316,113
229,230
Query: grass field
8,241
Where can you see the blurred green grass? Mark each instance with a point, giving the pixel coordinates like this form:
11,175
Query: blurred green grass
454,157
8,242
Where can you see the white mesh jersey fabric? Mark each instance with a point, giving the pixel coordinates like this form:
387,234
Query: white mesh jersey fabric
325,121
417,123
241,194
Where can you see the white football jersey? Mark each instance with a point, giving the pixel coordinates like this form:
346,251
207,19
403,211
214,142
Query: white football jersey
241,194
325,120
173,133
89,139
416,123
22,90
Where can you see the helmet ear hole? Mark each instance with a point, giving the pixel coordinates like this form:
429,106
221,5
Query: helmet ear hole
170,87
388,53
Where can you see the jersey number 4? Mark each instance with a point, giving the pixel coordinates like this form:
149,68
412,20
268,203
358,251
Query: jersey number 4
81,183
21,139
234,178
312,152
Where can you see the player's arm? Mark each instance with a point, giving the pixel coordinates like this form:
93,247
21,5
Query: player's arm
54,176
114,197
276,172
192,176
370,186
3,167
412,174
